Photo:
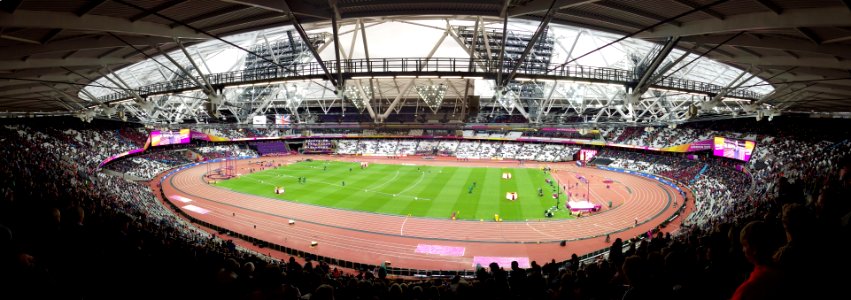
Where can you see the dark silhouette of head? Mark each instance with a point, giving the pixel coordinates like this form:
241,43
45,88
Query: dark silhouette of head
759,242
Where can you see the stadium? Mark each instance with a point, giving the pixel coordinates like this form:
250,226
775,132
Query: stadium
513,149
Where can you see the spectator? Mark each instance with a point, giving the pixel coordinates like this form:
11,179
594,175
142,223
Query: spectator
760,241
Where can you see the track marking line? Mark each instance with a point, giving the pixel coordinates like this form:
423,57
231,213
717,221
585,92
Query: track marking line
402,229
541,232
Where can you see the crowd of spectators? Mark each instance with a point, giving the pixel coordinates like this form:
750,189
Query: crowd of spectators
245,132
719,192
673,166
553,152
447,147
220,151
427,147
347,146
467,149
135,135
488,149
474,149
386,147
68,232
508,150
406,147
139,167
529,151
588,135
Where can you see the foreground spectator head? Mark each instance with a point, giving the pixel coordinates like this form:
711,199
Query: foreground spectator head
323,292
797,221
759,242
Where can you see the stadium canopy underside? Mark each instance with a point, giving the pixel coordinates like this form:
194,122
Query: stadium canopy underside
429,70
392,62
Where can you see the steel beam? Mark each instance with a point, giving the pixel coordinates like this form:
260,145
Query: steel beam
303,34
645,81
96,23
538,32
808,17
207,87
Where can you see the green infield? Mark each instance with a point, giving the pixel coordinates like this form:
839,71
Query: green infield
409,190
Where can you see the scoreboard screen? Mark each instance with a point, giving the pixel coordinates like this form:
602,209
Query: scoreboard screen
162,138
733,148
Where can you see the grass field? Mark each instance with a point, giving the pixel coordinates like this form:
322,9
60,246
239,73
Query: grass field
421,191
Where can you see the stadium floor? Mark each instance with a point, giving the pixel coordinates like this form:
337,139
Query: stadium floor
374,238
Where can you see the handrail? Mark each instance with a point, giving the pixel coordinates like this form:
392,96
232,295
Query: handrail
421,66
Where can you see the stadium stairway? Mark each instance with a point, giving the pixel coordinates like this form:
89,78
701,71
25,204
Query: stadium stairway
705,167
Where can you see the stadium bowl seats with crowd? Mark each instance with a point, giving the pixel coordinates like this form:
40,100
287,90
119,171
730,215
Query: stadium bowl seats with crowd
65,223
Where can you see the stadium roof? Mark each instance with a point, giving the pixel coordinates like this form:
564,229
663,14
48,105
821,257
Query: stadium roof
50,50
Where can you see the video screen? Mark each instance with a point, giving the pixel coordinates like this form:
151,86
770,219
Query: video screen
733,148
162,138
587,154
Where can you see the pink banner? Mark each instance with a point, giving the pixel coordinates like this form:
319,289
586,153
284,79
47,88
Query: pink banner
503,262
440,250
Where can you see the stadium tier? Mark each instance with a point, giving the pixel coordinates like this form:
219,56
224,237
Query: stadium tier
423,190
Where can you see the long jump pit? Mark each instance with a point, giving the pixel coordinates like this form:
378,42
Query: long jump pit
422,243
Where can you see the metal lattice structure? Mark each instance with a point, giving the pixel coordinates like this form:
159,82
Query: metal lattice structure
539,61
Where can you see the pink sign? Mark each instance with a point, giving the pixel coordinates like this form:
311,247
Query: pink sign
503,262
440,250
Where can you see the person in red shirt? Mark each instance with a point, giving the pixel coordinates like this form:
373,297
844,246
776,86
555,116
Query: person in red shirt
760,241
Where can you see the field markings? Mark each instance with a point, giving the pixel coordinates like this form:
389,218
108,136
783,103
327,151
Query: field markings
421,186
415,184
545,228
384,183
370,190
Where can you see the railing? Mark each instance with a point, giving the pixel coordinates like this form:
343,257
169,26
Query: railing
421,66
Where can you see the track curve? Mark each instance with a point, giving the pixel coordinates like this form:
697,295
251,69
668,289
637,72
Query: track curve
374,238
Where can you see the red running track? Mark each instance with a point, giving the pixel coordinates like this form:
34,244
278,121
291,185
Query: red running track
374,238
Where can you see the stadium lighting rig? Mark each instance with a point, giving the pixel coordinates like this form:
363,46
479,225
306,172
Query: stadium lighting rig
358,95
432,95
506,99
